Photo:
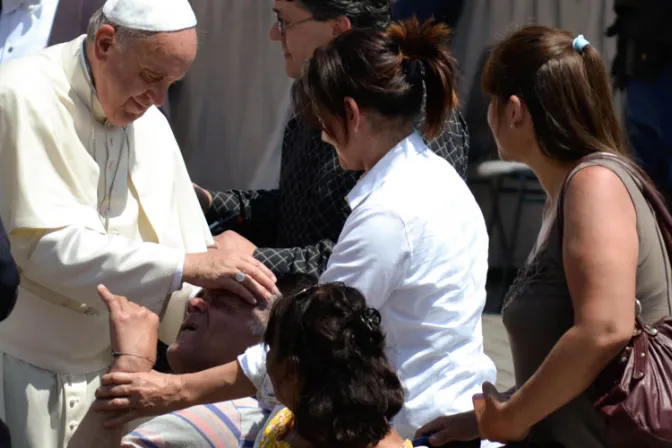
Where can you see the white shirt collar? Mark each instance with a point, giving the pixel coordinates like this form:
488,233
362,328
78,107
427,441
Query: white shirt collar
9,6
375,177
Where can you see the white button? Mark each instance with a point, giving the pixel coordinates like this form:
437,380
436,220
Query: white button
83,306
73,425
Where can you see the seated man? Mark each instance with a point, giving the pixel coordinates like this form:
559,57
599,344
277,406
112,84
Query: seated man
217,328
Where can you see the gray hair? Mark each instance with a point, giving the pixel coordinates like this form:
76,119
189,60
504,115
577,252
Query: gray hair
259,320
124,35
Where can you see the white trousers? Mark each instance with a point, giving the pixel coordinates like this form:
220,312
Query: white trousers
41,408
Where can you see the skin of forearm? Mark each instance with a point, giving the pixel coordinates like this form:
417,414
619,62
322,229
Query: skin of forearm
222,383
571,367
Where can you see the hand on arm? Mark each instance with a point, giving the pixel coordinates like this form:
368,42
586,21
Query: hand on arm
600,252
136,395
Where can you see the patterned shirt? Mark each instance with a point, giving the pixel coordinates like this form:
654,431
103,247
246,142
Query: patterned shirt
227,424
297,225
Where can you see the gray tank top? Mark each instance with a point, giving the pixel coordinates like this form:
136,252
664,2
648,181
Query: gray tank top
538,311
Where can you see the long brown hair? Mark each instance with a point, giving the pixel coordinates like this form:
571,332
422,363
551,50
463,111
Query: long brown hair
387,72
567,93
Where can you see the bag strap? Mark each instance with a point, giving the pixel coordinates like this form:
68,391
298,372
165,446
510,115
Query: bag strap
651,195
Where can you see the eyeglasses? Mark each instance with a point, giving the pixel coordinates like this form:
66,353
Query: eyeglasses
283,26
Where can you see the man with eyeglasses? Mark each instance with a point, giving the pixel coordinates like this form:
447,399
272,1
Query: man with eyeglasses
293,228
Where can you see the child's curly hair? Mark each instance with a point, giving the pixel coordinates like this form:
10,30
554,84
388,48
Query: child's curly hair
334,345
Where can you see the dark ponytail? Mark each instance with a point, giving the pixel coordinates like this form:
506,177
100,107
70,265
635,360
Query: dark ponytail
390,73
429,46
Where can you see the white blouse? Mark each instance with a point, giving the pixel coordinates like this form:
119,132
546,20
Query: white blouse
416,246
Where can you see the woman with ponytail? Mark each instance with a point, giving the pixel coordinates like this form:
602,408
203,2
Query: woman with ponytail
572,309
415,244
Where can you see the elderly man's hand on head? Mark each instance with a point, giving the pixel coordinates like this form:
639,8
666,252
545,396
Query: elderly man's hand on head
133,333
226,267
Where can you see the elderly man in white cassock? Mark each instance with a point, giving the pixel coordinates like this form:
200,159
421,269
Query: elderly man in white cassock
93,190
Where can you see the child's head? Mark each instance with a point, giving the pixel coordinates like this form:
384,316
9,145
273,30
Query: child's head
327,363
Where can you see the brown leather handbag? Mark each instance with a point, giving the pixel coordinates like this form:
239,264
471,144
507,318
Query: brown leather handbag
634,392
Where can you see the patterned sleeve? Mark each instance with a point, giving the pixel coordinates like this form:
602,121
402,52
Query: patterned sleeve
453,144
254,207
309,260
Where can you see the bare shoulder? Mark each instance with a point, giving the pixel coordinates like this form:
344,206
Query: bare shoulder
597,189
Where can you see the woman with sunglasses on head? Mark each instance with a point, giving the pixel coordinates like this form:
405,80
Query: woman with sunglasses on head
415,244
572,308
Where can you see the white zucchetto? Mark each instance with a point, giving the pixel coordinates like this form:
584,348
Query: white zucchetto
161,16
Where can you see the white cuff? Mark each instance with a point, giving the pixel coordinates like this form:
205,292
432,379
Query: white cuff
177,278
253,364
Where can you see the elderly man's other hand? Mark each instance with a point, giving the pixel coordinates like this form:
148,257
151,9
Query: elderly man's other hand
133,333
129,396
231,241
204,197
240,273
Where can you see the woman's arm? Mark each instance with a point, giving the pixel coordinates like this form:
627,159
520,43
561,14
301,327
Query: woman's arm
138,395
600,253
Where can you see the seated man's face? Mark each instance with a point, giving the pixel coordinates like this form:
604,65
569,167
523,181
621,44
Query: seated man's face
217,328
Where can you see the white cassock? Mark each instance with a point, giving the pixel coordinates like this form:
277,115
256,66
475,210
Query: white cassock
84,203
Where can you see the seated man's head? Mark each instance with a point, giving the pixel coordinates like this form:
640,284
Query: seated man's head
134,63
304,25
219,326
327,363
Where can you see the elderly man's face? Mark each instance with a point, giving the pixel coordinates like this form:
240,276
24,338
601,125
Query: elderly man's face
135,75
218,327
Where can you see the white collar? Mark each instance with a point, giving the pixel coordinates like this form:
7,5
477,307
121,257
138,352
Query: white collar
375,177
9,6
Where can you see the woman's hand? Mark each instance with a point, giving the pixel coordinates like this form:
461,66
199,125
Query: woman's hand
496,420
136,395
451,428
